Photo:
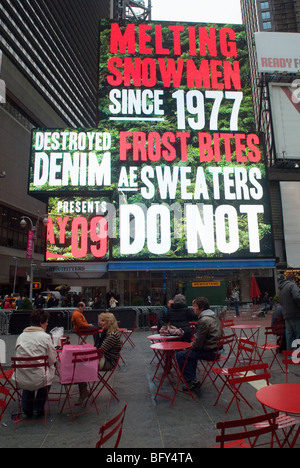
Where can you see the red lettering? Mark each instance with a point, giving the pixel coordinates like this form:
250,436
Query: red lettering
144,39
217,148
232,75
183,137
227,144
62,224
216,74
169,154
140,146
177,40
210,147
198,78
98,233
159,42
240,147
208,40
79,233
124,145
122,42
254,155
149,73
192,40
116,79
154,146
132,71
264,62
50,231
205,147
171,73
228,46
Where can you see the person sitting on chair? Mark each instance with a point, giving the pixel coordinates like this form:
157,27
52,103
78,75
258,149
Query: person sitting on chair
180,316
79,321
109,342
205,345
34,341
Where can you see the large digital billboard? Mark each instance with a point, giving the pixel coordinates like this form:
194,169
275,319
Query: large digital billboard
175,156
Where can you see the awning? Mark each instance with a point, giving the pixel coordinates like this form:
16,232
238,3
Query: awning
76,270
191,265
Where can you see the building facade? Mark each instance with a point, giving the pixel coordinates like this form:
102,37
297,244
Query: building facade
50,68
274,17
50,72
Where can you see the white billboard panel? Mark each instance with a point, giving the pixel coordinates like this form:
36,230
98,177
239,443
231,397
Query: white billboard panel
278,52
290,196
285,107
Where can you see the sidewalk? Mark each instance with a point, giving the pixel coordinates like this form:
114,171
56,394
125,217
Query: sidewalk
149,423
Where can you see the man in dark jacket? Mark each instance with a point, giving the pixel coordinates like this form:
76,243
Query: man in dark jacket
289,298
205,345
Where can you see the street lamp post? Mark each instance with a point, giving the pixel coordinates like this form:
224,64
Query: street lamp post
15,274
34,229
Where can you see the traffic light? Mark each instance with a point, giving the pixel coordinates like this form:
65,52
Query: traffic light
37,286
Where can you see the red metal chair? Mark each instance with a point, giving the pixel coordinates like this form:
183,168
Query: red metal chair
104,378
126,333
290,358
272,333
286,424
220,358
126,337
245,374
27,364
152,320
245,355
227,323
247,438
80,358
84,334
4,394
112,427
6,377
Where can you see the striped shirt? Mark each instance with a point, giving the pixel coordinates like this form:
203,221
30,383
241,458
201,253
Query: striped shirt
111,347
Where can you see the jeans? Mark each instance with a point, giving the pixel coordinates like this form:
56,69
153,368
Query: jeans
292,332
34,402
191,364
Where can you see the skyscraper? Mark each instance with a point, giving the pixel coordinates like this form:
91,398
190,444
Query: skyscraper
282,17
55,45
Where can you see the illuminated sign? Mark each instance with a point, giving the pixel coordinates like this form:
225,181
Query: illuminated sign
211,284
175,156
77,229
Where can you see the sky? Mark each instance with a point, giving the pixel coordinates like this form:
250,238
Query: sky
203,11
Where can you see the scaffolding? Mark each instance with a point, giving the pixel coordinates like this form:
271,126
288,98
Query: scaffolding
129,9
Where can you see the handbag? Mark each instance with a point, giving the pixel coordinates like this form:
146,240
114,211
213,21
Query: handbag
170,330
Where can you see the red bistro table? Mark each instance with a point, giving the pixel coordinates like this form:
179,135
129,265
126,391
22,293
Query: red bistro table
282,397
158,338
167,360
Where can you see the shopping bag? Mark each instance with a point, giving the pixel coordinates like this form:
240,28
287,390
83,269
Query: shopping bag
170,330
56,334
84,372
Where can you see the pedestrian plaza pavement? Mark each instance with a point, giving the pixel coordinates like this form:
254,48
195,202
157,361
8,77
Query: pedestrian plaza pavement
149,423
